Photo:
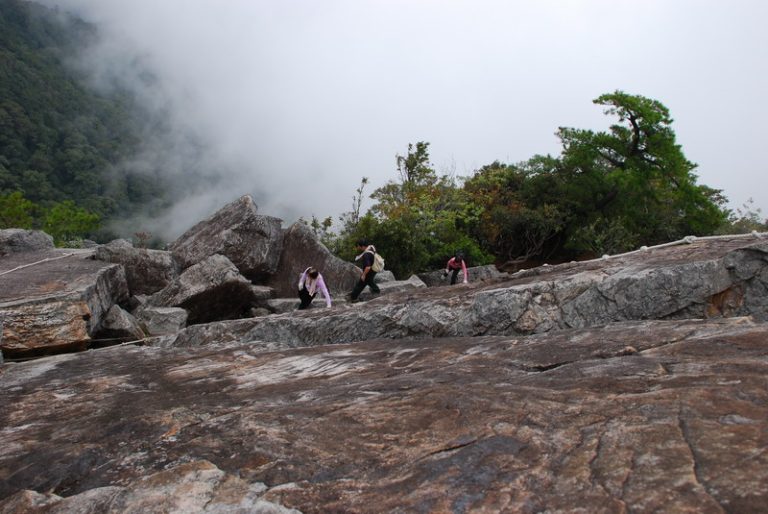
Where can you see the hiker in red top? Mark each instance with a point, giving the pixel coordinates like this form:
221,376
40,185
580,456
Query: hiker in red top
455,264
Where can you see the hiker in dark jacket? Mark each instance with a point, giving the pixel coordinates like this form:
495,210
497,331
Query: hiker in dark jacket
366,278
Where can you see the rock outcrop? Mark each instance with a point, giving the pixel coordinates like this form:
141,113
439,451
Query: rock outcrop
253,242
644,416
722,277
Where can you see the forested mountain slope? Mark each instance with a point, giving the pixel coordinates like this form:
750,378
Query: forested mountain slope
59,138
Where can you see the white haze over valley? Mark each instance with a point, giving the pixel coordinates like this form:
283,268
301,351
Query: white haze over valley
295,101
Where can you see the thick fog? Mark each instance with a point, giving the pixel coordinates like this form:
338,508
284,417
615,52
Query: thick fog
295,101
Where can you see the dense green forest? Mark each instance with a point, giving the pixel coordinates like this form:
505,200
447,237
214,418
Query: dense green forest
61,141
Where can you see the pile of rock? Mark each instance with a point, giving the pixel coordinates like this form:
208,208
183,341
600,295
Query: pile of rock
235,264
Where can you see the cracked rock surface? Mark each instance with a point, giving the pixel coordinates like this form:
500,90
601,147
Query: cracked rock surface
715,278
634,416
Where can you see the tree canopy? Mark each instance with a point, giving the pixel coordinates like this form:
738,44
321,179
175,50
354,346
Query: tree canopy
607,192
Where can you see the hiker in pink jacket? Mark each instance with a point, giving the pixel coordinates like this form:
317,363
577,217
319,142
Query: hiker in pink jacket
455,264
310,282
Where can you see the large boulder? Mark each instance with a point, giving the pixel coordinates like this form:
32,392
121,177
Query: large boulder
251,241
14,240
301,249
147,271
55,300
211,290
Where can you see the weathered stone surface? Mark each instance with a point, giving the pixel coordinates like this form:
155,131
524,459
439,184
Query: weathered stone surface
147,271
55,300
706,279
197,486
383,276
394,286
210,290
261,294
283,305
476,274
632,417
28,501
252,242
302,249
119,324
15,240
162,320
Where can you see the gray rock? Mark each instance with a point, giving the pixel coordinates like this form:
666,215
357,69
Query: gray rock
147,271
159,321
384,276
210,290
476,274
251,241
707,279
302,249
283,305
119,324
259,311
261,294
394,286
15,240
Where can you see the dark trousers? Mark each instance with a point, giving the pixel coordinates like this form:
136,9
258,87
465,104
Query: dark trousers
361,285
454,276
305,297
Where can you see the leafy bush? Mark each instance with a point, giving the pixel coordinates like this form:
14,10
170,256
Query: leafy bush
66,222
16,211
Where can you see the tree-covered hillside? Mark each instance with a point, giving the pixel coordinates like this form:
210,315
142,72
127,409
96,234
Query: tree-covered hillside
60,141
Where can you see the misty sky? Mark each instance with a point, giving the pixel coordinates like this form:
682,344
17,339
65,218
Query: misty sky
295,101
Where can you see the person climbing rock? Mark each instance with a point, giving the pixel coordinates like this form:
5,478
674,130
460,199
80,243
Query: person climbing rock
367,261
454,265
309,283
